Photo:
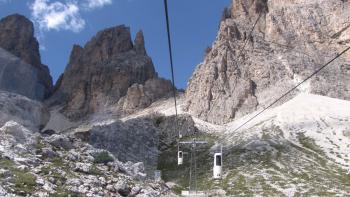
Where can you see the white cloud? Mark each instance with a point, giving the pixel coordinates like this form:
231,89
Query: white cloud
92,4
62,15
57,15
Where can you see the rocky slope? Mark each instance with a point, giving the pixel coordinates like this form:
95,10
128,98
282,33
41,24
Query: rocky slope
25,74
112,76
291,39
299,148
29,113
110,71
60,165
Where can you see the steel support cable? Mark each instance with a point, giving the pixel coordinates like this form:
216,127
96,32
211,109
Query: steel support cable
171,65
292,89
250,34
173,81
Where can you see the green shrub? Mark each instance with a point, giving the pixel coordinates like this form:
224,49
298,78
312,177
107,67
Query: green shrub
103,157
159,120
61,192
25,182
95,171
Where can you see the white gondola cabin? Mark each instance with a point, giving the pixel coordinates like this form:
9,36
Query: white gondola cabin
180,158
217,169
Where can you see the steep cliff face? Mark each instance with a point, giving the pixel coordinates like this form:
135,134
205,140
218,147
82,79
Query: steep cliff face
242,72
105,70
17,39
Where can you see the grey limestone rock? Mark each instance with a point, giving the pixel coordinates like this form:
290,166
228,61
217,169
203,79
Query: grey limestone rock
135,140
18,108
21,68
60,141
243,72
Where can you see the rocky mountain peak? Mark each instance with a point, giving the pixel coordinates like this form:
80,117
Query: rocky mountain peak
109,43
243,72
100,74
75,54
17,39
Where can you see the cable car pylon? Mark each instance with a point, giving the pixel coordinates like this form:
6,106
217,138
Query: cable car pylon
193,178
194,141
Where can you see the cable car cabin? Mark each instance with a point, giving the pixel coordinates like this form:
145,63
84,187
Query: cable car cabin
217,169
180,158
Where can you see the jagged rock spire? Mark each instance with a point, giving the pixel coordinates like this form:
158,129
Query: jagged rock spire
139,43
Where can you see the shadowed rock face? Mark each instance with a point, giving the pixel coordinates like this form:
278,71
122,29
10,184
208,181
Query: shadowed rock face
135,140
139,139
24,111
17,38
99,74
291,40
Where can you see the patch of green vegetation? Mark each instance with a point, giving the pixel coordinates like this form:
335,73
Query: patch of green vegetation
57,162
171,171
342,175
177,190
45,170
309,143
60,192
54,170
158,120
7,164
240,187
303,176
250,172
39,146
95,171
58,177
325,193
103,157
23,181
268,190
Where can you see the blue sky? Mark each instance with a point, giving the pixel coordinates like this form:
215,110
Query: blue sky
60,24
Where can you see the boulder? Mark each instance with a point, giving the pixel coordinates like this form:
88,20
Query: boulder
122,188
82,167
48,153
140,96
60,141
47,132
